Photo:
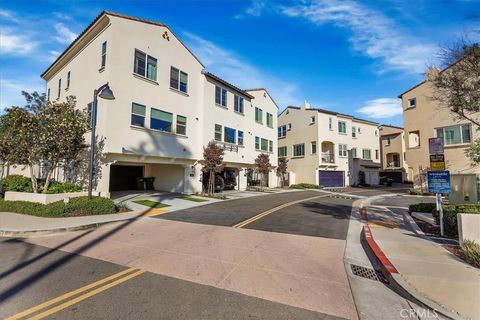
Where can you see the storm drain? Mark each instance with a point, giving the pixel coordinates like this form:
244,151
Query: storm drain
368,273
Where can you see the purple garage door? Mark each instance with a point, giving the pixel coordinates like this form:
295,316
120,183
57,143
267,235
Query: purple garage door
331,178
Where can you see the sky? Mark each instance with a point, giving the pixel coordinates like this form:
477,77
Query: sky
349,56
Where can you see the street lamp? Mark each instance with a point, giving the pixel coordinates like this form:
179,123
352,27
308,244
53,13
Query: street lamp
106,93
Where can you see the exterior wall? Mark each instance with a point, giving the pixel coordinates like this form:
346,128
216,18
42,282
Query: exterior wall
425,118
396,137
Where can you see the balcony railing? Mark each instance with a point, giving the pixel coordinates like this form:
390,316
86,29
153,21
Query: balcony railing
328,157
228,146
393,164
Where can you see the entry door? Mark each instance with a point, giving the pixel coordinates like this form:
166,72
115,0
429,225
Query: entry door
331,178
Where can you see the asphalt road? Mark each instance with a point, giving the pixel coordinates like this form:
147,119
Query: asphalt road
31,275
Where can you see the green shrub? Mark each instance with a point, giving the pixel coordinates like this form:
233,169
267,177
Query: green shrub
23,184
472,252
66,187
16,182
450,216
415,192
422,207
80,206
305,186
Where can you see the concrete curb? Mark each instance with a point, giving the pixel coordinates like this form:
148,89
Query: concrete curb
31,233
397,280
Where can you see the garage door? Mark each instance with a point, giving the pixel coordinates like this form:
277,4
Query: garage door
331,178
124,177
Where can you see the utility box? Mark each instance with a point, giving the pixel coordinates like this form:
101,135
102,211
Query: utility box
465,188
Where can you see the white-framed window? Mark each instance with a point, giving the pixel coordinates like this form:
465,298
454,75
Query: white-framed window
238,104
59,88
218,132
376,154
298,150
178,80
354,152
282,152
161,120
221,96
387,141
342,150
354,132
145,65
412,103
258,115
240,138
104,54
269,120
48,94
459,134
358,130
289,126
181,125
312,119
313,147
366,154
257,143
270,146
264,144
330,123
68,79
282,131
229,135
342,127
138,115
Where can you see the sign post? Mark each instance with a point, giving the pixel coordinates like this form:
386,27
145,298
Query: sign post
438,178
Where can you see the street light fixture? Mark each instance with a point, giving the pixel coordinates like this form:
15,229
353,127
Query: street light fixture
106,93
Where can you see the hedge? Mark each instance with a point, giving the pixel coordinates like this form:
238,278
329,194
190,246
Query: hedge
21,183
305,186
422,207
80,206
472,253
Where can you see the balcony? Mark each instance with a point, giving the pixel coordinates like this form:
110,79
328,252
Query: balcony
328,152
228,146
328,157
393,160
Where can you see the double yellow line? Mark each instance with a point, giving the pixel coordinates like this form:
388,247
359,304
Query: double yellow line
266,213
100,286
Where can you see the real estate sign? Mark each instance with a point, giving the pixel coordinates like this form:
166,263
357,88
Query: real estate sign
437,162
439,181
435,145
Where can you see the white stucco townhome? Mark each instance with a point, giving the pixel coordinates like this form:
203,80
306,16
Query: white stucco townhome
166,107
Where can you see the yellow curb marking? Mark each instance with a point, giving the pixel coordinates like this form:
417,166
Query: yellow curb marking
69,294
266,213
156,212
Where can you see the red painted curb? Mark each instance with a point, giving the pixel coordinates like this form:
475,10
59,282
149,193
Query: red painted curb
387,267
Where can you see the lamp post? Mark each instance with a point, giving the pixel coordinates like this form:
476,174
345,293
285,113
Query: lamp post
106,93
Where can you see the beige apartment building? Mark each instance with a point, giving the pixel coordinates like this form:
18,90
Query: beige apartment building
167,107
328,148
423,119
392,150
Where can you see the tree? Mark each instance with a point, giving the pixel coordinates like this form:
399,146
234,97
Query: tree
282,169
263,166
457,86
212,163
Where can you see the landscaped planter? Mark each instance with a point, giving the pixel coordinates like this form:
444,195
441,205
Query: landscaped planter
468,227
42,197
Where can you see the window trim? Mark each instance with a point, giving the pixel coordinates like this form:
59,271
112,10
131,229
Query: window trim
293,150
280,131
218,131
343,122
59,88
225,128
238,104
103,55
151,118
68,80
221,97
139,115
369,152
342,150
409,103
260,119
240,138
179,81
282,148
462,143
146,60
313,143
269,116
181,125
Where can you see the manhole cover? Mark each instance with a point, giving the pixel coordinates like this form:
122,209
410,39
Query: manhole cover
368,273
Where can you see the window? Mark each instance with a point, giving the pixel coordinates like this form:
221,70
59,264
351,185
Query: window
218,132
238,104
376,133
229,135
282,151
104,54
299,150
366,154
342,150
161,120
387,142
178,80
68,79
264,144
270,145
412,103
354,132
240,138
282,131
181,125
269,120
257,143
414,139
358,129
459,134
354,152
342,127
312,119
376,154
313,146
48,94
89,114
330,123
220,96
145,65
289,127
138,115
59,88
258,115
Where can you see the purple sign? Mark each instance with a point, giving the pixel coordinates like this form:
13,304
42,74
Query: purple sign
435,145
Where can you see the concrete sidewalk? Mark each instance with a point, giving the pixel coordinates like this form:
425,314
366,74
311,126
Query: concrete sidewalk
426,270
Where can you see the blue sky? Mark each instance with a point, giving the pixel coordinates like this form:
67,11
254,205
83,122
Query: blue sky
350,56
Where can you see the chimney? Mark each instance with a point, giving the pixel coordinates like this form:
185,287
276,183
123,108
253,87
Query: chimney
306,105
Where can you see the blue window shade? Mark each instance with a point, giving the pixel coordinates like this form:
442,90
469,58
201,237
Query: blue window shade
229,135
138,115
240,138
161,120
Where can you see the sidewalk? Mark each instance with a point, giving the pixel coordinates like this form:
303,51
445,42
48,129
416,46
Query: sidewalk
426,270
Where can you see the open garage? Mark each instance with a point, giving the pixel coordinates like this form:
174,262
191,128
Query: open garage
124,177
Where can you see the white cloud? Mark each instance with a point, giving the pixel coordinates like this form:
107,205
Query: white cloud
373,34
382,108
234,69
8,15
11,91
64,34
62,16
16,45
255,9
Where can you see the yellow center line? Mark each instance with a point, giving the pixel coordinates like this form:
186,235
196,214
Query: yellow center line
266,213
85,296
68,295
